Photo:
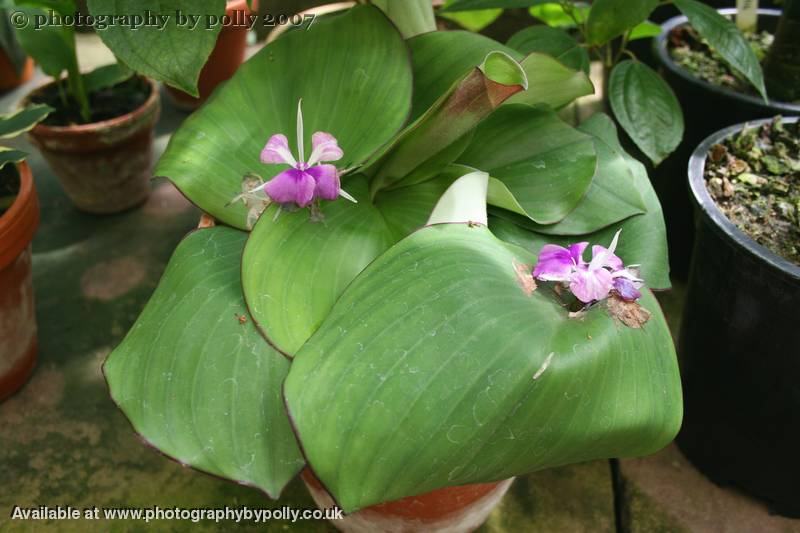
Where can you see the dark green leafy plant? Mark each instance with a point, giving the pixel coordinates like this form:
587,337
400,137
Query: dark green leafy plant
14,124
402,333
8,39
782,65
641,101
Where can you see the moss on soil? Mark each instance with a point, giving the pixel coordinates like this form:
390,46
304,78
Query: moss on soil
754,177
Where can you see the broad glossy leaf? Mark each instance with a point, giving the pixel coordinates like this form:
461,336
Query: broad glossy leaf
23,120
611,18
646,108
9,42
463,202
437,368
174,51
339,67
546,164
197,381
294,269
52,47
406,209
726,39
554,42
644,30
474,20
440,135
105,77
441,58
612,196
643,240
554,84
412,17
470,5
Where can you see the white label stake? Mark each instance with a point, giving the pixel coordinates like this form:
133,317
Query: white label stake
747,14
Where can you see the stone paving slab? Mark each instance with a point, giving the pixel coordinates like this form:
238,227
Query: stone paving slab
665,493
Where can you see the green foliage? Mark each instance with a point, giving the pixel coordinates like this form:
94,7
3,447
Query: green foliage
646,108
416,341
554,42
13,124
611,18
726,39
174,53
9,42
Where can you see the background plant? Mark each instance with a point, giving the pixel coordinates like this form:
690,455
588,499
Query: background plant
643,104
409,355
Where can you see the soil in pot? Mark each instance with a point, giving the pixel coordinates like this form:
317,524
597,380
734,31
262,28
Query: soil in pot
9,187
105,104
754,177
104,166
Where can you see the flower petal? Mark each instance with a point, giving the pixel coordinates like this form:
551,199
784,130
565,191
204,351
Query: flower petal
327,180
604,257
291,186
325,148
576,251
590,285
277,151
626,289
555,264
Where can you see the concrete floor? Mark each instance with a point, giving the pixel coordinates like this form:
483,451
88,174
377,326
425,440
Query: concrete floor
63,442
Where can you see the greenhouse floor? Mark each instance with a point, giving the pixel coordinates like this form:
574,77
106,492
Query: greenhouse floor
63,442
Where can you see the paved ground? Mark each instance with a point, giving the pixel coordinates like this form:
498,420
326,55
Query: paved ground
62,441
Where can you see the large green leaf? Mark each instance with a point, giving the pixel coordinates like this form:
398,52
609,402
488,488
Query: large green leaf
339,67
441,58
437,367
196,379
611,18
9,155
52,47
23,120
612,196
561,15
544,163
294,269
554,42
643,240
412,17
726,39
173,51
646,108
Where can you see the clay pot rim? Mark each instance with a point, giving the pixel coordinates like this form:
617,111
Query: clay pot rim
94,127
705,204
662,55
19,223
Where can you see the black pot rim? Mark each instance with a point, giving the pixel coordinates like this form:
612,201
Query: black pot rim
661,52
708,206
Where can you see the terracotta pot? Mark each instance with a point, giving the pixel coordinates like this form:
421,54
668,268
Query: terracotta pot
17,317
448,510
105,167
8,76
225,58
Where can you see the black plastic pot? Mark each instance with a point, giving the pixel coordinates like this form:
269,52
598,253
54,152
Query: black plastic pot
740,355
706,108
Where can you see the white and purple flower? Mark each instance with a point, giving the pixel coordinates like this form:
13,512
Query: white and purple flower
307,180
592,281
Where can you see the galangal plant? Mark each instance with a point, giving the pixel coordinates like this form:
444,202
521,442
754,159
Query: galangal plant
396,338
643,104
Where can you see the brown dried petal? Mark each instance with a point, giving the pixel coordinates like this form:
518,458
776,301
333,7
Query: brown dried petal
631,314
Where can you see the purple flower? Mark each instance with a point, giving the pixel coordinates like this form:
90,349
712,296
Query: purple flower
306,181
592,281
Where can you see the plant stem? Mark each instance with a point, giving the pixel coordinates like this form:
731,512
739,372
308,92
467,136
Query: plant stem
412,17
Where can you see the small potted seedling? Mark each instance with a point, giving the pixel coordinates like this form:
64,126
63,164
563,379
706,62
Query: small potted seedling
19,218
